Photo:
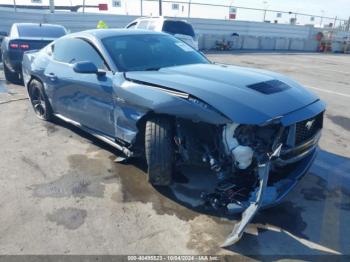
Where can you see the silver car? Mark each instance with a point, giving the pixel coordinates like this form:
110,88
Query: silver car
181,29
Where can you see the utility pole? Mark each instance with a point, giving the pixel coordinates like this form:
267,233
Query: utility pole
266,6
160,8
189,9
14,5
321,23
141,7
83,6
52,6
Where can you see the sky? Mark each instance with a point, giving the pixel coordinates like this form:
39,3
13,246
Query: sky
330,8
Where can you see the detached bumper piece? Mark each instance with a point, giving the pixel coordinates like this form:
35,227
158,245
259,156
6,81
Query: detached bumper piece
249,213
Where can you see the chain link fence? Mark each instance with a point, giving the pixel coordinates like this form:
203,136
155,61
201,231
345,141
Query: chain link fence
184,9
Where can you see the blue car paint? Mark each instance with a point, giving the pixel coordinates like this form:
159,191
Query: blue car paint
225,88
115,103
87,99
112,100
284,186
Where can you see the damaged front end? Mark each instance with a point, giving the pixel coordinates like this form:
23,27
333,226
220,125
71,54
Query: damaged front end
255,165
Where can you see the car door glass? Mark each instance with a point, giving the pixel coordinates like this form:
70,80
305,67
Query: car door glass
132,26
73,50
178,27
143,24
152,25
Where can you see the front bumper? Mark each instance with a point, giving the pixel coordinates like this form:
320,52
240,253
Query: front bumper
275,192
261,198
285,185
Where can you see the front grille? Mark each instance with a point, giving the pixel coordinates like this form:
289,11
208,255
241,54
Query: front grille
308,128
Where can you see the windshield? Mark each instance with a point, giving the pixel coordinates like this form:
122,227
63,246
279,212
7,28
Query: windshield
178,27
41,31
150,52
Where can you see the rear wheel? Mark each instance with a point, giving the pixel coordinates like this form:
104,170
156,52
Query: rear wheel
39,101
10,76
159,149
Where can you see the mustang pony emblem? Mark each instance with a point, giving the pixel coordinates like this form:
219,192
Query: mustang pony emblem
309,124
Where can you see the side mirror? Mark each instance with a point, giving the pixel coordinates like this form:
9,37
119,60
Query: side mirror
86,67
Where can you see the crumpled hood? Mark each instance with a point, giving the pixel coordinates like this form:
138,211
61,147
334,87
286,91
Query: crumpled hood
226,89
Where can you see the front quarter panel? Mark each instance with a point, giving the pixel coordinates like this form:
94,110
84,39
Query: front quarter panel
134,101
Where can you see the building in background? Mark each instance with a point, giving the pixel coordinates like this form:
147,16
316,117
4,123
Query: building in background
199,9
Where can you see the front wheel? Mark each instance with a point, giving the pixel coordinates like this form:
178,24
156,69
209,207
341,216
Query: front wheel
159,149
39,101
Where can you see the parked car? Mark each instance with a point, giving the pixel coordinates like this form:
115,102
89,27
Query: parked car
24,37
2,35
152,96
179,28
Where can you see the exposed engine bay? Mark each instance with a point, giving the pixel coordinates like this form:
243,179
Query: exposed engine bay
241,157
232,152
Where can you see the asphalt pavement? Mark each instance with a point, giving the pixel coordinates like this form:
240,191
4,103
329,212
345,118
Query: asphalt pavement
62,193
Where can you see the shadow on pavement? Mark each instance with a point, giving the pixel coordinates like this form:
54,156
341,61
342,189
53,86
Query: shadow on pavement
301,225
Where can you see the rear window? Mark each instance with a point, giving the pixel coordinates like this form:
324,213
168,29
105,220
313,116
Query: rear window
40,31
178,27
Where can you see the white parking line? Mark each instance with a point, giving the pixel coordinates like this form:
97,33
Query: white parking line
305,242
329,91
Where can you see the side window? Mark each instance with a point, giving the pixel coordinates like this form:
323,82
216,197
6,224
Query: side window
152,25
74,50
143,24
132,26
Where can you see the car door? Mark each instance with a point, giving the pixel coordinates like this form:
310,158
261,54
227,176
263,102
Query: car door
84,98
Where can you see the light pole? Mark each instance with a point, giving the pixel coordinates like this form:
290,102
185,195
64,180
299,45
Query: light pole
52,6
141,7
14,5
126,8
266,5
321,24
160,8
189,8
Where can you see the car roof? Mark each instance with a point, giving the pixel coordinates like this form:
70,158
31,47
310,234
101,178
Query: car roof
104,33
162,18
37,24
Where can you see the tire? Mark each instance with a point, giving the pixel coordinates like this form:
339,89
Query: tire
39,101
159,149
10,76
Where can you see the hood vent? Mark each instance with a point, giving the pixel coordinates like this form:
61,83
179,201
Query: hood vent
269,87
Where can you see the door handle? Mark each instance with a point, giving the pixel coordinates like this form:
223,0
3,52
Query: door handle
51,76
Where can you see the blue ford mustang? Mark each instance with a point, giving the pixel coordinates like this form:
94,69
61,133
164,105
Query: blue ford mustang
151,95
